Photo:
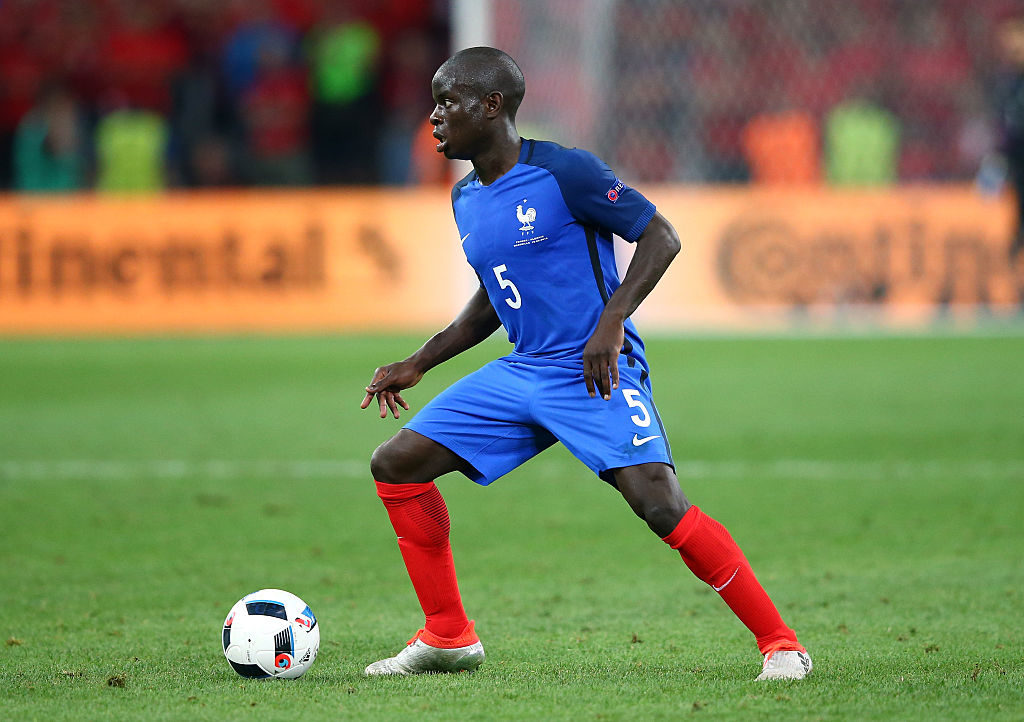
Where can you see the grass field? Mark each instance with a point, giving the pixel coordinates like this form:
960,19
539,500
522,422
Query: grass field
876,485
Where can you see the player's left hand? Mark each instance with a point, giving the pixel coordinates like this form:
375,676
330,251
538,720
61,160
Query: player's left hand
601,358
386,385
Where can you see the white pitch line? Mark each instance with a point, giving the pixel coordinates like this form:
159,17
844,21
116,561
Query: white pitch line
170,469
828,470
299,469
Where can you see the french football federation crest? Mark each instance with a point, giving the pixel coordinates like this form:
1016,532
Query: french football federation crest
526,218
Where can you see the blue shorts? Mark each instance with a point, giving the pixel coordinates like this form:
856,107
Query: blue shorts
509,411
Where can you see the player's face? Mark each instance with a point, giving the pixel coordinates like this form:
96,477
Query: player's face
457,118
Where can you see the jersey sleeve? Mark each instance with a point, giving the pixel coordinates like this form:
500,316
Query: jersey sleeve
595,196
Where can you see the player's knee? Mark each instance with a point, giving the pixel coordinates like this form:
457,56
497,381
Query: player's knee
662,518
393,462
384,466
660,504
653,494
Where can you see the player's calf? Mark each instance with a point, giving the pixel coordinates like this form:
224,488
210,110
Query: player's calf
710,552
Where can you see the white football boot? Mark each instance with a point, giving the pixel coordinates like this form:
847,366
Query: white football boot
418,657
786,664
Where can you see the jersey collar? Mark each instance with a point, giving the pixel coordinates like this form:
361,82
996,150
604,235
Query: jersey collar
525,149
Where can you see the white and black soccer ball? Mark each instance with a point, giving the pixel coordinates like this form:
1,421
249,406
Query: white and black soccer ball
271,634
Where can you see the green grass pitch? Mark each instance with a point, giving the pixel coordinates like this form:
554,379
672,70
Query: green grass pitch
876,485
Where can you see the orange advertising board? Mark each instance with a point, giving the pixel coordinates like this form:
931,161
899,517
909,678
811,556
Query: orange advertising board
229,261
371,260
758,257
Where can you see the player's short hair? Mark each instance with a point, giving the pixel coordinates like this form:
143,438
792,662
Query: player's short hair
487,70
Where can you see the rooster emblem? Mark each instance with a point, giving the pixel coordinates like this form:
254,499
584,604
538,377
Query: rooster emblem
526,218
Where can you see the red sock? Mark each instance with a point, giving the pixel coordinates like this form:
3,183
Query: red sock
420,518
711,554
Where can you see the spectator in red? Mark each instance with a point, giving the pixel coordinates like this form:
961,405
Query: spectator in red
142,52
275,116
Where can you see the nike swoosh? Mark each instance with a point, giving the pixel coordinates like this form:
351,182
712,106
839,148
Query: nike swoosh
637,441
718,589
463,239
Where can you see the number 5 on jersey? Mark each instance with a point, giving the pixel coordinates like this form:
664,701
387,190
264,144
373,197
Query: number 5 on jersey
517,300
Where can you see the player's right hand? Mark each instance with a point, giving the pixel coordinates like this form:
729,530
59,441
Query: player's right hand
386,384
601,357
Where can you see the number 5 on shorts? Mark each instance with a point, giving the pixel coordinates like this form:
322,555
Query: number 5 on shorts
505,283
631,398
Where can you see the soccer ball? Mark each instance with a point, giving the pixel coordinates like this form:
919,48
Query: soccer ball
271,634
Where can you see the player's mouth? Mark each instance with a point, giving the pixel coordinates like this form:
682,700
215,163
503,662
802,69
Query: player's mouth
443,141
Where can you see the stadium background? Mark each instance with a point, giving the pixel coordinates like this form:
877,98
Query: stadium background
820,157
219,217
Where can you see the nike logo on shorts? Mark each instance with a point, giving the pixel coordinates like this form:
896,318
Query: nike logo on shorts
637,441
463,239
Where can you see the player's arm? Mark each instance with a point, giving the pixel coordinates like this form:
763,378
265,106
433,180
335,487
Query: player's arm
655,249
474,323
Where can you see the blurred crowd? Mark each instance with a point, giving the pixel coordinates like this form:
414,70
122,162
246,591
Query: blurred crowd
151,94
774,91
803,91
142,95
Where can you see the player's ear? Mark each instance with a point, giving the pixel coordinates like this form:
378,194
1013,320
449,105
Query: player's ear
493,103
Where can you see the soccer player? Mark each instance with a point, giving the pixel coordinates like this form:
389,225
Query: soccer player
536,222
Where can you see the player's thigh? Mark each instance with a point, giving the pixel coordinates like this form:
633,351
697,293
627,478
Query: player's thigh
484,419
411,458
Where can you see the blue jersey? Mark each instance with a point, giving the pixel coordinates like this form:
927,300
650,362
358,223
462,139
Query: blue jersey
540,240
